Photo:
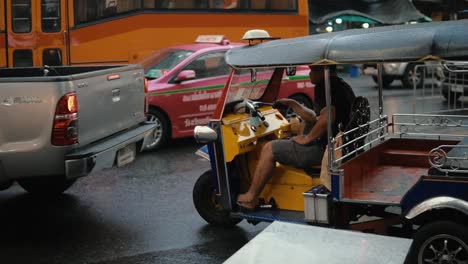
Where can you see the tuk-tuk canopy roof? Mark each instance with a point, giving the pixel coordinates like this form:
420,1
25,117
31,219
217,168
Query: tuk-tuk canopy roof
446,40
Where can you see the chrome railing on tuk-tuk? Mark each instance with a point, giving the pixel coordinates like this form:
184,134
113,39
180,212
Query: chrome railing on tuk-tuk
444,87
439,111
441,159
445,158
378,130
429,120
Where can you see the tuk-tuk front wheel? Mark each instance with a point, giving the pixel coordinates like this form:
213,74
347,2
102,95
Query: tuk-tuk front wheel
206,202
440,242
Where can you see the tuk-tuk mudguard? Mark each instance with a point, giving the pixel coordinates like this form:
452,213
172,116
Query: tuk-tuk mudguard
429,187
441,202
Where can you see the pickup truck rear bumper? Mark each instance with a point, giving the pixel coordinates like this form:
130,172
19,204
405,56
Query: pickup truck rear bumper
102,154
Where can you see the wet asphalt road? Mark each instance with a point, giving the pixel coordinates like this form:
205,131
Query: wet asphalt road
140,214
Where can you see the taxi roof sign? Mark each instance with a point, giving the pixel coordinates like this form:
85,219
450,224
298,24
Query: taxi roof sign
257,34
216,39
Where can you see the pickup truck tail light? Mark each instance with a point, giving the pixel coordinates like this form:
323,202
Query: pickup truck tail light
65,129
146,96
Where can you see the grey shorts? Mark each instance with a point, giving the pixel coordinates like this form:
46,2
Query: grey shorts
288,152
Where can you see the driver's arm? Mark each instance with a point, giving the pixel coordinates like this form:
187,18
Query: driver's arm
304,112
319,129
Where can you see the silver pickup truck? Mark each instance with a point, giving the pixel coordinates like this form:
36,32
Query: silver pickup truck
59,124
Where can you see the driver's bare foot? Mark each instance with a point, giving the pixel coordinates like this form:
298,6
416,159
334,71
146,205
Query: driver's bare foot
246,201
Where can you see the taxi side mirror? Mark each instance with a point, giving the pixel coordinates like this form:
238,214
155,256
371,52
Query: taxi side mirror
185,76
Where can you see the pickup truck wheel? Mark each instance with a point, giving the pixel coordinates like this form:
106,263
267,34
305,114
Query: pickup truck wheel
386,80
206,202
48,186
440,242
161,134
410,77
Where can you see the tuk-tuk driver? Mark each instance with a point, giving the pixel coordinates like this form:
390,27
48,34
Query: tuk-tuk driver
306,149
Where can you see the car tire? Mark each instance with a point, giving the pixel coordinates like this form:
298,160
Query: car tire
407,78
47,186
439,241
386,80
162,133
205,201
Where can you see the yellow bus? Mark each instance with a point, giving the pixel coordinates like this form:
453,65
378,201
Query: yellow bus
74,32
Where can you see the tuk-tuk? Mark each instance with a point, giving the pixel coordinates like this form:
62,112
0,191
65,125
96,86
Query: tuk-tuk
394,175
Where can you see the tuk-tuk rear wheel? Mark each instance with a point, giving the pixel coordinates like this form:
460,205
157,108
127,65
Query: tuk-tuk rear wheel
206,202
439,242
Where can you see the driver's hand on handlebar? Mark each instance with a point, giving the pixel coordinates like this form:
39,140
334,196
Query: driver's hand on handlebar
282,102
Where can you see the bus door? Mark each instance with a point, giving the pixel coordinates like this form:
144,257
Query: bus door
3,53
37,32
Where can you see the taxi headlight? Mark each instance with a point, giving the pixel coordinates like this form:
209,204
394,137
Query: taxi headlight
204,134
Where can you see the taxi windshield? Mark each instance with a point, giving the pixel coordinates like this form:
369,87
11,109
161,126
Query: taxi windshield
243,87
159,63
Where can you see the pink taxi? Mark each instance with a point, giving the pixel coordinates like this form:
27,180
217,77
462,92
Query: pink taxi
185,82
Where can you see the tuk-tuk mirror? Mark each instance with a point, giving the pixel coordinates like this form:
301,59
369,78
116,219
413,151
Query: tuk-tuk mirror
253,75
291,71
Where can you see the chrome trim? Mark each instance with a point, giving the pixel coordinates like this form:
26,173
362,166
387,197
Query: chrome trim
326,76
204,134
226,172
378,129
368,202
438,203
438,158
417,121
341,175
380,73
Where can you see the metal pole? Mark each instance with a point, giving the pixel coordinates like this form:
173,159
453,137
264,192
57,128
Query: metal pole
326,76
379,77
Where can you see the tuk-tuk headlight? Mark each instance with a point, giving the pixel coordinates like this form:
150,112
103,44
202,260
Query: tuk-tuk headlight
204,134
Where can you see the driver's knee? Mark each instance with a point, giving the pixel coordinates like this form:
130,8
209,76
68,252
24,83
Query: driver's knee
267,151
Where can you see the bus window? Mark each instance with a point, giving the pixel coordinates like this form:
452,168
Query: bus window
87,11
50,13
52,57
151,4
21,16
283,5
3,51
127,5
22,58
2,21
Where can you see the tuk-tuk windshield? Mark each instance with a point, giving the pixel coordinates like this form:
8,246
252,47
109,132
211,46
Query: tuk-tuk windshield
249,84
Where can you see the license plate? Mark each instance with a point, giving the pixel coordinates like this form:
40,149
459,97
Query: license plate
126,155
457,88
